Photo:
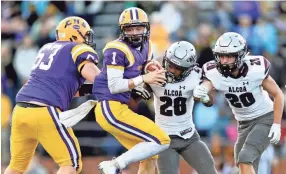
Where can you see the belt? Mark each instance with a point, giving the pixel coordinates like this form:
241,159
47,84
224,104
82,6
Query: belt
28,105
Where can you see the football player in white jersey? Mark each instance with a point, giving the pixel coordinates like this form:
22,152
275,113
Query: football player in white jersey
246,85
173,112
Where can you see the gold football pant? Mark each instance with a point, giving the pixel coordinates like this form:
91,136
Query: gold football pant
33,125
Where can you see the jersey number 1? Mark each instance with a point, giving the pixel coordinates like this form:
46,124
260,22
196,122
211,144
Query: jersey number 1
40,62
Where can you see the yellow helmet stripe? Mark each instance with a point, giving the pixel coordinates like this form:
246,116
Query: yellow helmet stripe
79,49
122,47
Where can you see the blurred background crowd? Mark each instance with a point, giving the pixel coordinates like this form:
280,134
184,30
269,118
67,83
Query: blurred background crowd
28,25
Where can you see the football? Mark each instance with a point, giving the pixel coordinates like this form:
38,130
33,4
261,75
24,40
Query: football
152,66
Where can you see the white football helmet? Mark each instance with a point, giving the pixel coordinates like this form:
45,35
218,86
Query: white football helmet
183,56
230,44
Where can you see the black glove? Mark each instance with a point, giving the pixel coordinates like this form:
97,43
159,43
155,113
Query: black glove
142,92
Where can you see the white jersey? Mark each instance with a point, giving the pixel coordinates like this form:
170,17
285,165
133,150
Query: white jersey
173,105
244,94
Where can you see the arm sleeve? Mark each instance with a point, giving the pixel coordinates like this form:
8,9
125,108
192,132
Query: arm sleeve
116,82
115,62
81,54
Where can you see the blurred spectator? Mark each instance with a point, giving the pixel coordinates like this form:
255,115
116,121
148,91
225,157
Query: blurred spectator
32,8
8,76
249,8
223,17
246,29
269,42
6,110
24,59
172,18
43,30
158,35
267,160
87,9
202,37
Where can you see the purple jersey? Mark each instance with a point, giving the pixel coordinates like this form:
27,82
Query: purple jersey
120,55
55,76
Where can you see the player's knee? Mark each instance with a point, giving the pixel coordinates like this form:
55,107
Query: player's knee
244,157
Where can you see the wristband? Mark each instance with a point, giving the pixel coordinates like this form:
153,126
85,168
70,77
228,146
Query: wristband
138,80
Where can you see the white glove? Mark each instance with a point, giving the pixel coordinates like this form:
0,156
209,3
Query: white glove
202,93
142,92
275,133
72,117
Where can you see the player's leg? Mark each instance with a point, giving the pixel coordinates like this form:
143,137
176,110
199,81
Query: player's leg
147,166
255,143
243,130
197,155
137,133
60,142
168,161
23,140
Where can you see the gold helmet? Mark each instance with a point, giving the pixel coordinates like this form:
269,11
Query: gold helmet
134,17
75,29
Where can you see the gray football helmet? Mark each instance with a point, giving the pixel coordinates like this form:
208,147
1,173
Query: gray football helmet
230,44
181,55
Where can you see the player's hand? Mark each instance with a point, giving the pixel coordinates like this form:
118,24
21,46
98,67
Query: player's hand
157,64
155,77
142,92
275,133
201,93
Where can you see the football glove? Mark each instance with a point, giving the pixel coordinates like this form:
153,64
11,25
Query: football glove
201,92
142,92
275,133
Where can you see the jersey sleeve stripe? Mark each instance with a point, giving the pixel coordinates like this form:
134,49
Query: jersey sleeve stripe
81,64
115,66
266,65
79,49
122,47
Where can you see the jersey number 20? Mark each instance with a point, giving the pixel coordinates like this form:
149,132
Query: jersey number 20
179,105
245,99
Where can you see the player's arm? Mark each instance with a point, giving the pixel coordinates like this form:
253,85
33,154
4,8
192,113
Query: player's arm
273,89
90,71
86,59
116,62
203,91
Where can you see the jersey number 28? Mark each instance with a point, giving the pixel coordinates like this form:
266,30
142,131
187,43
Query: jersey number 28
179,105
